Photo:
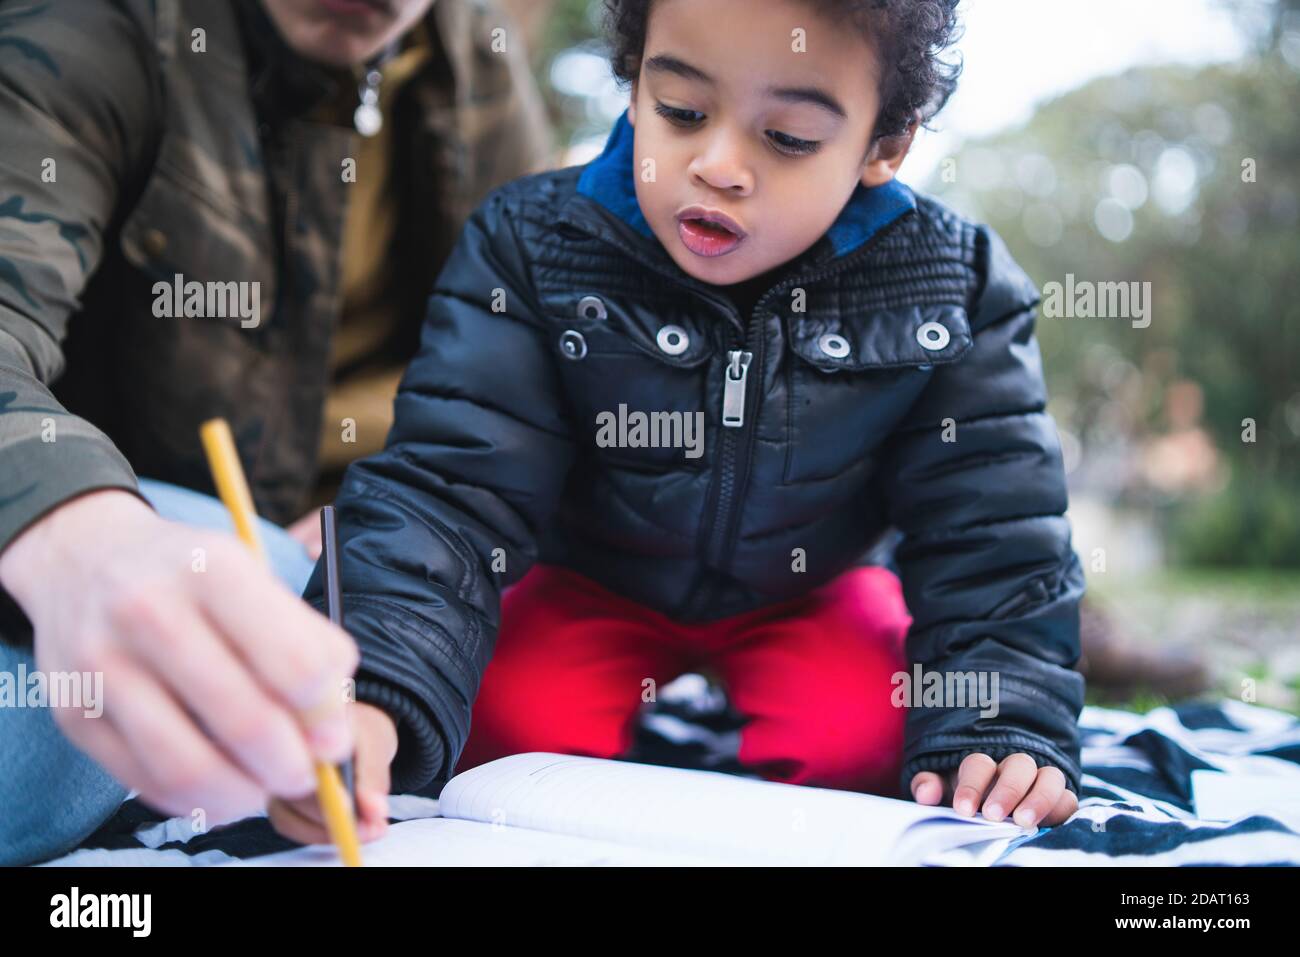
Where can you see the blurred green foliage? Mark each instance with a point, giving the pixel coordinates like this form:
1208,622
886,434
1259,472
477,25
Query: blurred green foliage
1188,179
572,23
1253,526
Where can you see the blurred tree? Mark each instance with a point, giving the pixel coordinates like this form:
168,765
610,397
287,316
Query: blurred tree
532,16
573,26
1188,179
1267,20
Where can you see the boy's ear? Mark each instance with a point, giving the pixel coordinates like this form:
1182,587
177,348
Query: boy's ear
631,106
886,156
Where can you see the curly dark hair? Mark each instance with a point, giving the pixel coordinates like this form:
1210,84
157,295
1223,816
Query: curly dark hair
909,37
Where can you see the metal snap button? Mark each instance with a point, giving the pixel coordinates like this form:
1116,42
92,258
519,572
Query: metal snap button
673,340
933,336
837,347
591,307
573,345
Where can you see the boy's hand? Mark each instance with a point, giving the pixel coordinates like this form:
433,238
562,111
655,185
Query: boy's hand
1016,785
306,531
376,737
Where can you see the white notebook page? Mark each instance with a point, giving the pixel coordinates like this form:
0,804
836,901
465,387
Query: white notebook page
709,815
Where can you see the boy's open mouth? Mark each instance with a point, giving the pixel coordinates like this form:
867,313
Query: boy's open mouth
708,232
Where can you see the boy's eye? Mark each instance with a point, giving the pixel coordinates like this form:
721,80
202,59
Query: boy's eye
785,143
680,117
789,144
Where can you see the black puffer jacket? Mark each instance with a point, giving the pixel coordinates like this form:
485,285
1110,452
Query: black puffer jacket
558,305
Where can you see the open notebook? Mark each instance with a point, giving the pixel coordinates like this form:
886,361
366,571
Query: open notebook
560,809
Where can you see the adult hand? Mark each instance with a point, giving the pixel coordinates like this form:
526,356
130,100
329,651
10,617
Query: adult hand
220,686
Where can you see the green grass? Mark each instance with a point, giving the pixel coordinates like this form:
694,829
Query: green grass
1146,701
1140,703
1258,587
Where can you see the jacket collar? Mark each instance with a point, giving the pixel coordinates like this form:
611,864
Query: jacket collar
609,180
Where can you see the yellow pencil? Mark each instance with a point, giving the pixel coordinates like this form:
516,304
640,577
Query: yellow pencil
228,475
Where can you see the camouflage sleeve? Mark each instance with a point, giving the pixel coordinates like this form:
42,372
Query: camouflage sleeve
78,101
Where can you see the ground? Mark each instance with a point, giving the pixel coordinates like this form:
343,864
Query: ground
1246,623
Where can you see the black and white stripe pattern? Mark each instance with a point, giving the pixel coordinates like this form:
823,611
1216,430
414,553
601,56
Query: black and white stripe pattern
1137,809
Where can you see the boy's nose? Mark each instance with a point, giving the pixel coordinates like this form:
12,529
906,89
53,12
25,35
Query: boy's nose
723,167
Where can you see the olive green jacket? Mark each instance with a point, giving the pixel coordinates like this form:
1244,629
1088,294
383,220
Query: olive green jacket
145,140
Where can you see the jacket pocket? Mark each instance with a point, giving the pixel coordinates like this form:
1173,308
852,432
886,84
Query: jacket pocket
634,377
853,377
179,228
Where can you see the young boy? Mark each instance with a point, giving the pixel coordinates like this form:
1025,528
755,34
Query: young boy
684,388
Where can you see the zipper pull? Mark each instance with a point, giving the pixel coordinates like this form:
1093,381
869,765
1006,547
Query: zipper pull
733,394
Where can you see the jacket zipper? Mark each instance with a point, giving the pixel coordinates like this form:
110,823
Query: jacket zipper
735,421
737,434
733,393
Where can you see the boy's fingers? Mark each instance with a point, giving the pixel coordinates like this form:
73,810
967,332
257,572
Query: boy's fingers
371,764
372,798
1016,775
974,775
307,532
1066,805
308,809
372,816
1042,797
303,821
927,787
376,746
287,817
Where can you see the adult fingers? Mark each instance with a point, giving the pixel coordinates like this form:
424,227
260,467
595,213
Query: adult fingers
295,652
98,738
171,639
186,771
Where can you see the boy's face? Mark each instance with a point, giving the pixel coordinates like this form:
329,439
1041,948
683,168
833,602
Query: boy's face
738,122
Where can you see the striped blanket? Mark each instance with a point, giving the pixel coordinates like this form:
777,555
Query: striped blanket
1197,784
1139,805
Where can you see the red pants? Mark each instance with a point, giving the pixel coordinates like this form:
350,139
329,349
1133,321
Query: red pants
812,675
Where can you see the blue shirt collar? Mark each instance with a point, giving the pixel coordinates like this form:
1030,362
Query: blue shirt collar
609,180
